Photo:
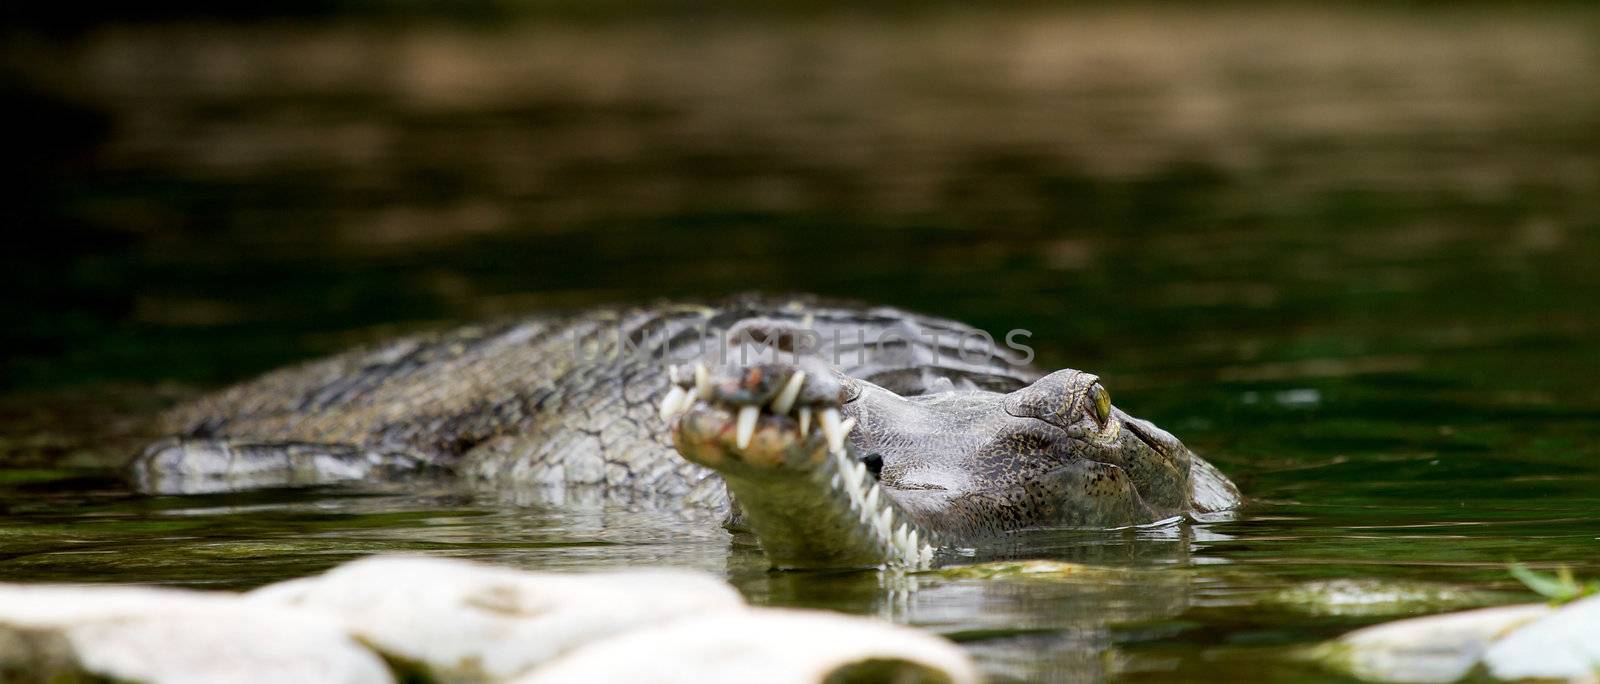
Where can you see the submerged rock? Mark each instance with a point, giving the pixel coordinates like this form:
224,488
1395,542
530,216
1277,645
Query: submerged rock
1030,569
1438,648
1562,645
64,633
769,646
464,621
1371,597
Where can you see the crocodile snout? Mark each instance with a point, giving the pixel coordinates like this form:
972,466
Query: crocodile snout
761,417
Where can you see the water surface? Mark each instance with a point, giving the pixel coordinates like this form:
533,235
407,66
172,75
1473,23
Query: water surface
1350,256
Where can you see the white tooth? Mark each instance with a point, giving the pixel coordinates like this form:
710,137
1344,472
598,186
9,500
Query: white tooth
885,522
840,462
805,420
848,425
857,494
790,391
859,470
849,478
746,427
702,381
830,429
672,374
852,487
872,498
911,540
900,538
836,483
674,402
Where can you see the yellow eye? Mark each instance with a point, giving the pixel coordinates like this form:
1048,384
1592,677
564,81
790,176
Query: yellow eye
1100,403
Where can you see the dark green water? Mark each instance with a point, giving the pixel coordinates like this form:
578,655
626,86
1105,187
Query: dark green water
1351,256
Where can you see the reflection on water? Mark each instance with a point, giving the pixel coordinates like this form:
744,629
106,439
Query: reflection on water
1349,255
1179,602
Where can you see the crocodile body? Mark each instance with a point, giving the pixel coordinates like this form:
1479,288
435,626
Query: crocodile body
560,402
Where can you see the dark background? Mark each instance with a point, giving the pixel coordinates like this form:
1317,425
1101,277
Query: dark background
200,192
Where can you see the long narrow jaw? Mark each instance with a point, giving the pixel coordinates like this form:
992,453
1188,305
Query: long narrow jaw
779,440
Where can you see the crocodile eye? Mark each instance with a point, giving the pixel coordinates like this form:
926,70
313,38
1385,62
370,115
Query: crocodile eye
1061,399
1100,403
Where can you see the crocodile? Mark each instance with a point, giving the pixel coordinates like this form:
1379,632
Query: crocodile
842,435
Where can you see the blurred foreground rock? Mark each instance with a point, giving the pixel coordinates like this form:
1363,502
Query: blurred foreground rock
769,646
1514,643
468,622
1564,645
63,633
420,619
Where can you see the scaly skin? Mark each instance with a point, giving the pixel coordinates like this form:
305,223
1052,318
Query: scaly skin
968,447
947,467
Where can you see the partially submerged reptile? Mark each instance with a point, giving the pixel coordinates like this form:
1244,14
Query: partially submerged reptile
848,436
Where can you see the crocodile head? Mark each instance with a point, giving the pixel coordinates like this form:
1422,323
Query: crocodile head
834,471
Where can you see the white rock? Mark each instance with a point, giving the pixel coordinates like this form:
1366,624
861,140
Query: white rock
167,636
458,622
474,622
1438,648
1562,645
768,646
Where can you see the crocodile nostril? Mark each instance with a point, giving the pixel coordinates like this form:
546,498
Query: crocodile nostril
1156,445
874,464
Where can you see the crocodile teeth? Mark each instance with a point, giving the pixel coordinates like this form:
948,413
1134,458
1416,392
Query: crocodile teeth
872,498
702,381
676,400
672,374
840,463
831,429
805,420
855,477
746,426
790,391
